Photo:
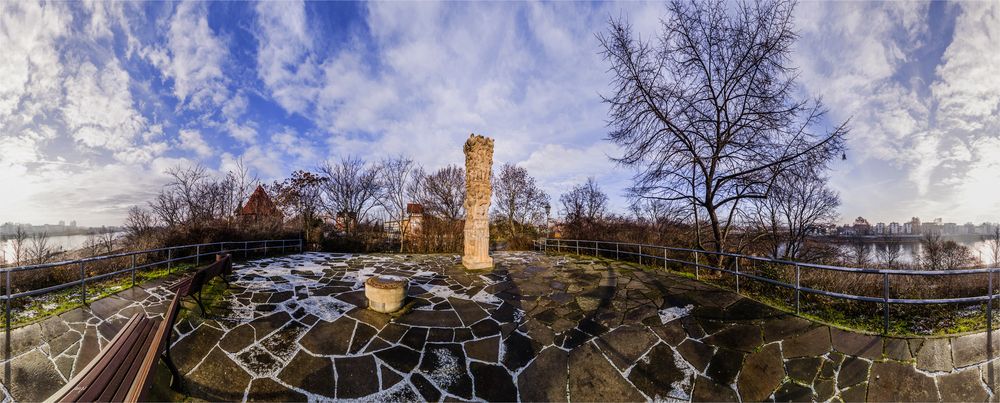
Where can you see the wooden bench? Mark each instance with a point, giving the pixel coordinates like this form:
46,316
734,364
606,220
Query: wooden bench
222,267
123,370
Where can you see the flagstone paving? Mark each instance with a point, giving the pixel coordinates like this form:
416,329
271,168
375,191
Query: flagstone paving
536,328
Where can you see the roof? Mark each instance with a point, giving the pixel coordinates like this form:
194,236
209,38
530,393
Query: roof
259,204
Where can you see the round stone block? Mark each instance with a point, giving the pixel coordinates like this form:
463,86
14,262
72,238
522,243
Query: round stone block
385,293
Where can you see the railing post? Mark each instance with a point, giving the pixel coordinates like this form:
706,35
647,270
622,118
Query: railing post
640,255
595,248
989,305
133,270
885,297
797,289
83,284
265,248
170,258
246,245
7,313
197,251
664,258
737,275
697,271
577,247
617,249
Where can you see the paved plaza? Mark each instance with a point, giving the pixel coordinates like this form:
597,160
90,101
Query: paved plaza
535,328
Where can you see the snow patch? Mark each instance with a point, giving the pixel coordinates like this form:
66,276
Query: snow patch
673,313
324,307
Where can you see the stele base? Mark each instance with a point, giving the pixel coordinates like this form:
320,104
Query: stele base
477,264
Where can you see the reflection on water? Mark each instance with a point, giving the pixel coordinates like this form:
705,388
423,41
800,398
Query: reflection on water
910,251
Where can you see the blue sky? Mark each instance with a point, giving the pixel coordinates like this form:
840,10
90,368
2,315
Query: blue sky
97,99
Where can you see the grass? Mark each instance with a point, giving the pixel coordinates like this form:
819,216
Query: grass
38,308
867,317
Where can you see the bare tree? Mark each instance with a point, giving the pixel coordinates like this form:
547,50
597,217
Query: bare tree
301,196
351,188
860,252
39,251
932,252
442,192
583,207
993,243
397,175
92,245
107,240
19,245
889,252
798,204
955,256
707,114
519,201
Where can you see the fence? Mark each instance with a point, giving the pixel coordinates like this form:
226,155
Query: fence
664,254
173,254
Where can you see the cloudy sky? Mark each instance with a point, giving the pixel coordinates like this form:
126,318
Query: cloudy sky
97,99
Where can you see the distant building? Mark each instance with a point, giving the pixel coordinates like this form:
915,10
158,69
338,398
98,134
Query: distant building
880,228
914,226
72,224
411,223
895,228
949,228
861,226
258,207
907,228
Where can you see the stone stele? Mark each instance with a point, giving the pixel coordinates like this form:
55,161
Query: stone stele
478,193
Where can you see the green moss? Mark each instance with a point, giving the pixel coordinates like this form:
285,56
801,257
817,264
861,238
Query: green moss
28,310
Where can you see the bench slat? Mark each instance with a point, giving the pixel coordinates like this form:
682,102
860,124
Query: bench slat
76,386
144,376
100,377
129,366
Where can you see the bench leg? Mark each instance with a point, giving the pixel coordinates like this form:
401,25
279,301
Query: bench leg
197,298
176,383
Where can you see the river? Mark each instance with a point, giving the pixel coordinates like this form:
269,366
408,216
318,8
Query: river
57,243
909,251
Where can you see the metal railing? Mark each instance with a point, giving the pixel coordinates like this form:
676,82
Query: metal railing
598,247
172,255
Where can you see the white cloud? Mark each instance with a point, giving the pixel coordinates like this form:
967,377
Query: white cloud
99,109
192,140
194,58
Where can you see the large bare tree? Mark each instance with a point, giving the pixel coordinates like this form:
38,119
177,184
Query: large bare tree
351,188
519,202
707,112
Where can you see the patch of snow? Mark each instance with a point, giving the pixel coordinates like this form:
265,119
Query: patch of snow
447,371
325,307
673,313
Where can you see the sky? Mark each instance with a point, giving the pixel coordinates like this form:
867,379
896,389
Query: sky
98,99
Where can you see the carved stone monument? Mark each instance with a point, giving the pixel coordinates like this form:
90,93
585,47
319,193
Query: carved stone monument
478,193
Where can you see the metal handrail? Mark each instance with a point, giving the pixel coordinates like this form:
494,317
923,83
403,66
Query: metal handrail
575,244
215,247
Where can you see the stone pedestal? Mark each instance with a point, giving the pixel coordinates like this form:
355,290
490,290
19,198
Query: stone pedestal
478,193
385,294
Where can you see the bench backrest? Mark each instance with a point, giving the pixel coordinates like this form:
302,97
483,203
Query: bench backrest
223,265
